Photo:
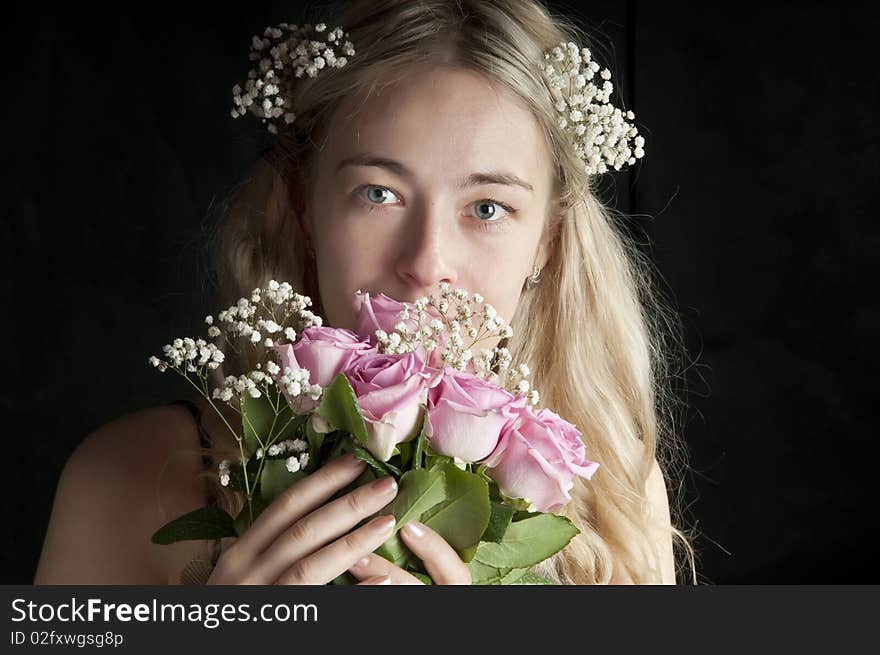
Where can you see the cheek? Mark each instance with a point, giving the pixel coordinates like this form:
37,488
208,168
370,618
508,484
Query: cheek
502,294
500,276
349,235
347,261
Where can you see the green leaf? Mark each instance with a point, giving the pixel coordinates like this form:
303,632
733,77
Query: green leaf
498,522
275,478
417,462
261,423
339,406
528,542
338,442
467,554
244,520
418,491
462,518
512,576
425,578
256,417
437,461
203,523
316,440
532,578
405,449
394,550
384,468
484,574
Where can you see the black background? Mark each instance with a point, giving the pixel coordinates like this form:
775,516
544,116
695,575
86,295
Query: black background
756,198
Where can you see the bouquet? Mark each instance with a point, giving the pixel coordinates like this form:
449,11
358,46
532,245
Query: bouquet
473,456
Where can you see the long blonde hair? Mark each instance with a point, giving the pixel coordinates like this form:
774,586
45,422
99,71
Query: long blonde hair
599,341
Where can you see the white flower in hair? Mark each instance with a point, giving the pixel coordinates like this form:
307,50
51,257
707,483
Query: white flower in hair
602,136
286,48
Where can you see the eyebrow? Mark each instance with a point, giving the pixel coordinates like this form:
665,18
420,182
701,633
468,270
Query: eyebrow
474,179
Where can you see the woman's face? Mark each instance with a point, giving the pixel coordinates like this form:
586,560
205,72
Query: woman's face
440,177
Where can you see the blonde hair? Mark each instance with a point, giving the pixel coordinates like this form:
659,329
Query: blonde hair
595,333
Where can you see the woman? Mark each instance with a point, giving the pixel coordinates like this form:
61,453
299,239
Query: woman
435,154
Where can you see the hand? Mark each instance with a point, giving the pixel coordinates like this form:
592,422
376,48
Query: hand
441,561
298,539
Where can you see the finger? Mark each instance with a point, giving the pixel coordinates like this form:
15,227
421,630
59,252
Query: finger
296,501
323,525
333,560
441,561
377,580
373,565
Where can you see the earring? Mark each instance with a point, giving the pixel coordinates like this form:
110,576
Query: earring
534,278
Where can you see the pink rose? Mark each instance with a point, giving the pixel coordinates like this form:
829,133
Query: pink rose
537,457
383,313
324,351
466,414
377,313
391,391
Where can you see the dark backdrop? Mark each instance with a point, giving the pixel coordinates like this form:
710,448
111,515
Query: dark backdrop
755,199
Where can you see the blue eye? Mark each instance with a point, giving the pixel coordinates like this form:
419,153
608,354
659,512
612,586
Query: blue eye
371,187
375,196
489,202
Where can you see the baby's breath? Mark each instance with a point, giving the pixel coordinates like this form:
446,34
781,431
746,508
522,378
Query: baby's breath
223,470
285,53
602,136
256,325
449,328
274,310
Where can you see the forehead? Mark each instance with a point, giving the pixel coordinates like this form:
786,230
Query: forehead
442,124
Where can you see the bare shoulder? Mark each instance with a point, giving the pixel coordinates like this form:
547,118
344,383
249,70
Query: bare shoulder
122,482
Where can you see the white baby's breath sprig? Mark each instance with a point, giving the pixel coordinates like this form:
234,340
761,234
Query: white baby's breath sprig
258,383
285,53
295,383
190,358
223,471
288,445
296,463
271,316
602,136
449,328
267,318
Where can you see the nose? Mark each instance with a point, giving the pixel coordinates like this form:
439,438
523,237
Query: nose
426,254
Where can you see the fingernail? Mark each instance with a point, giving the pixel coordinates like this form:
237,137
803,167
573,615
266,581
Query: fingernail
352,461
362,562
385,485
384,524
383,580
415,529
